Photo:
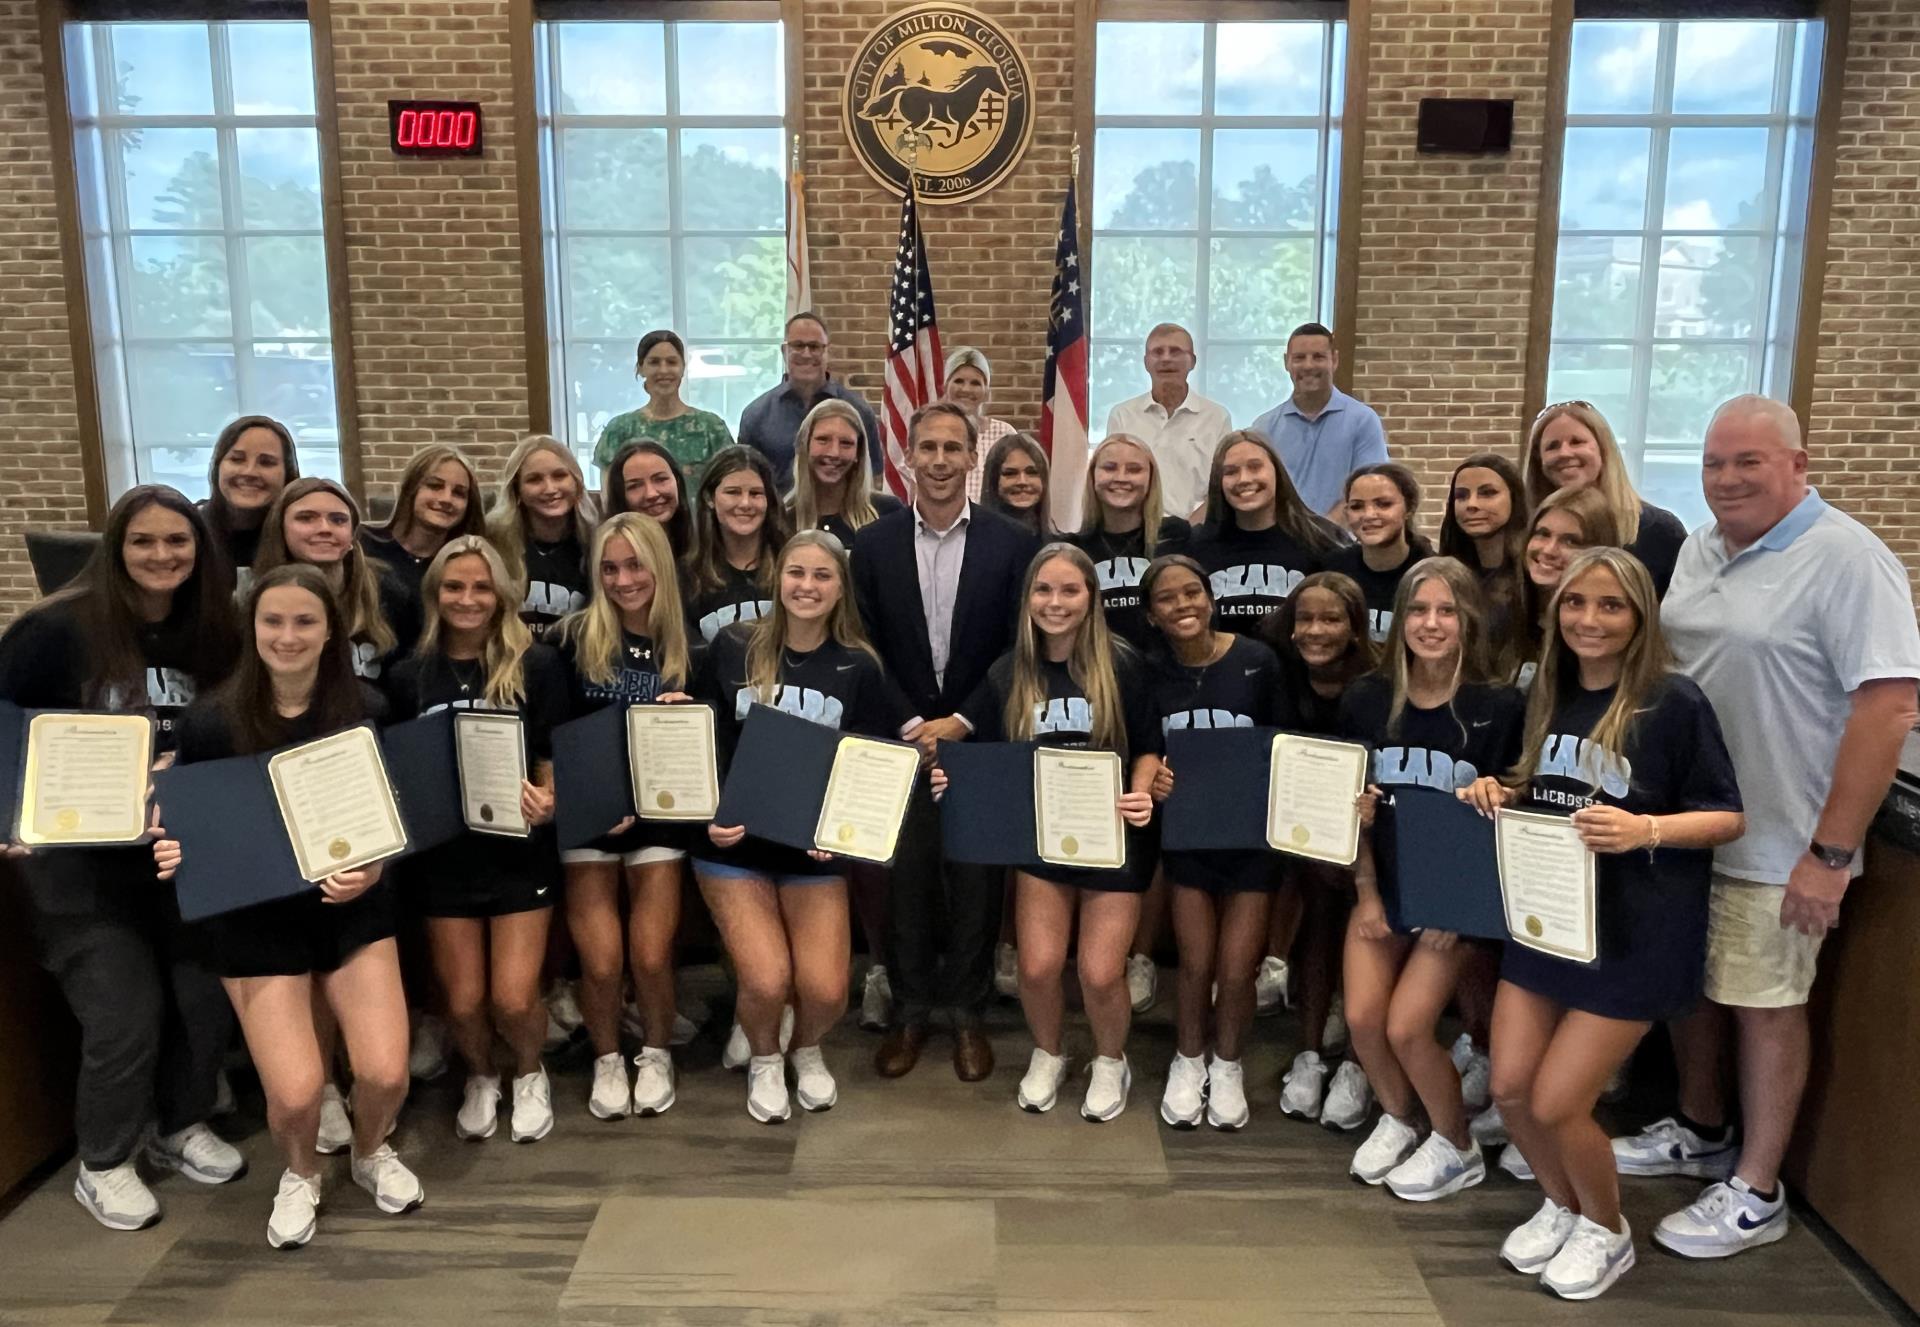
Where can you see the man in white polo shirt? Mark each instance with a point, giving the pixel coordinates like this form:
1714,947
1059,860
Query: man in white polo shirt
1180,427
1798,624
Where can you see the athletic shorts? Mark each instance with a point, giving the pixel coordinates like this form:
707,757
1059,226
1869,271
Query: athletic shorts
632,857
1753,962
729,871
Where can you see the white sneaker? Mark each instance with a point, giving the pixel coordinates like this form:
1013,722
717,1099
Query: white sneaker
767,1089
812,1083
1349,1100
1334,1034
1143,982
1668,1147
199,1153
1006,970
1226,1094
652,1081
1185,1100
117,1197
1303,1086
1270,986
738,1051
1437,1169
427,1049
1592,1259
532,1107
684,1028
1476,1074
295,1211
1530,1247
336,1129
395,1189
1040,1088
612,1097
1390,1143
1726,1219
479,1113
1512,1163
876,1000
1489,1128
1107,1085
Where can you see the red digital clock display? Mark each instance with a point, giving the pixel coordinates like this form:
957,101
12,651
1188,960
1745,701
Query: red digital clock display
434,128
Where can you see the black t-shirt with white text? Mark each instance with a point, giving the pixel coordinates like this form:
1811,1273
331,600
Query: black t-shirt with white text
1377,587
1064,719
740,599
557,582
1237,690
1120,560
1251,572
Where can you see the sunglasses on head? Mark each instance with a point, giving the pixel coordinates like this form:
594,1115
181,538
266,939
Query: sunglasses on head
1562,405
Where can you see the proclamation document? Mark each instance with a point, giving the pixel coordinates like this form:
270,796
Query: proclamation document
1076,812
1312,789
336,803
86,779
676,775
490,751
1546,885
866,798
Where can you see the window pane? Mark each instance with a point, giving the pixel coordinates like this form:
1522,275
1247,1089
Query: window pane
178,287
619,287
1259,288
1689,383
1265,179
1337,66
1114,374
1613,68
1603,184
287,280
161,69
1716,179
1146,179
731,179
1247,380
600,385
1602,375
1708,287
172,178
724,379
612,68
1268,68
1138,282
294,384
182,393
736,287
1148,68
1724,68
1596,287
723,68
272,68
279,178
614,179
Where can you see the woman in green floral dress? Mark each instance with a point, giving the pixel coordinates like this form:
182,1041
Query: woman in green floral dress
691,435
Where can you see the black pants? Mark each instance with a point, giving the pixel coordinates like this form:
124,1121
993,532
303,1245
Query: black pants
943,919
153,1025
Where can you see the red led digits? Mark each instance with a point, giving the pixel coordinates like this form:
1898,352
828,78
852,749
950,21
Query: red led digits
435,128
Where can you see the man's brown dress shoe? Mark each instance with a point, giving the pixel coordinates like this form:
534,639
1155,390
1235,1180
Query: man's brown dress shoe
900,1049
972,1055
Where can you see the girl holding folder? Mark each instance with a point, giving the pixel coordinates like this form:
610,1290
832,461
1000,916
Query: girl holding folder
146,626
644,477
316,522
1634,750
1209,679
628,646
739,530
833,481
1067,683
542,522
329,948
1432,719
1259,541
782,912
488,898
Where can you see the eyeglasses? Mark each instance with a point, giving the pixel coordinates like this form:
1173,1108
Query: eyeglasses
805,347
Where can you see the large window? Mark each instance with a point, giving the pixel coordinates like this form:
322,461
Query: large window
199,187
1215,195
1682,220
664,198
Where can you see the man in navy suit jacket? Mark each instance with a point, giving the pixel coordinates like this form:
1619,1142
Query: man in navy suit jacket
938,585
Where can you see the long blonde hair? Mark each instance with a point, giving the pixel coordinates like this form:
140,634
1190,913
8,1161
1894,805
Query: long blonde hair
508,638
1644,663
1470,662
768,639
1615,485
594,631
856,490
1090,664
359,588
1094,512
507,519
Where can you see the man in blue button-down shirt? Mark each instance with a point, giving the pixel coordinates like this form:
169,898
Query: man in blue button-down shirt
771,420
1321,434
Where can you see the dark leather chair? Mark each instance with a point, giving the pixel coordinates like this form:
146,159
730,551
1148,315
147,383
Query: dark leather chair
58,555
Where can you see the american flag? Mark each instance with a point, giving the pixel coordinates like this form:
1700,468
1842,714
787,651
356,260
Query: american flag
1063,393
916,374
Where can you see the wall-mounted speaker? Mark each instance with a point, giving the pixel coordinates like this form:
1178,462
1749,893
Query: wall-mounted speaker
1466,124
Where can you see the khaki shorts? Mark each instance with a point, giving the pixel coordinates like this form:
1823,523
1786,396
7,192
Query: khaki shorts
1753,962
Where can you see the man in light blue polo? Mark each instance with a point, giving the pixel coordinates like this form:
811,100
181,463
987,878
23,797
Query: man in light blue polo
1321,434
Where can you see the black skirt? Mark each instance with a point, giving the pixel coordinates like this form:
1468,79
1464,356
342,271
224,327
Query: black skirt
1225,872
483,875
292,937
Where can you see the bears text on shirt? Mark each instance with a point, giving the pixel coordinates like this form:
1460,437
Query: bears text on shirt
550,600
1571,756
751,610
1262,582
814,706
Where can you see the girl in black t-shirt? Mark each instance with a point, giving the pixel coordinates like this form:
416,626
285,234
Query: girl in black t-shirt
1633,749
833,474
331,947
628,646
782,912
253,459
488,898
438,499
644,477
739,529
1259,541
315,521
1485,527
1066,683
1430,719
145,627
1381,503
1016,481
1123,490
1571,446
542,522
1565,523
1207,679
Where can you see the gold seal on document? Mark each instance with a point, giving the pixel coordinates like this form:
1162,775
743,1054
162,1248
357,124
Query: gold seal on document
67,820
844,834
486,812
339,848
1534,928
1069,846
1300,834
663,800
